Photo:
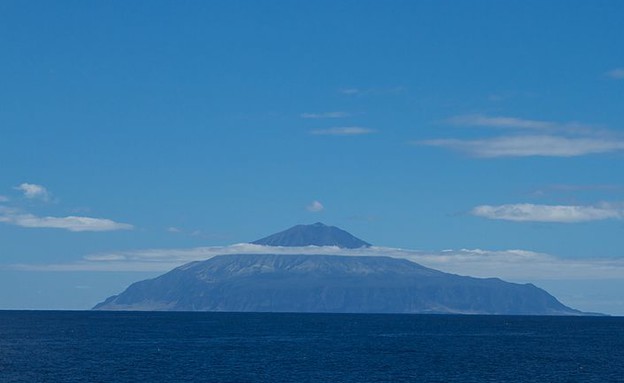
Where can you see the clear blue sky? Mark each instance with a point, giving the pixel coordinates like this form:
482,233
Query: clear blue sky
425,125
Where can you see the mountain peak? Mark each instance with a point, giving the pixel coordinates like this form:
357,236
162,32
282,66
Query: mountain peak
316,234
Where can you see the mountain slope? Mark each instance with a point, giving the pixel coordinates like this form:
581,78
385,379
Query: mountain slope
327,283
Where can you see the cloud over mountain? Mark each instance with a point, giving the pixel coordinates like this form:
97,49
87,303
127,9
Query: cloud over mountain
315,207
513,264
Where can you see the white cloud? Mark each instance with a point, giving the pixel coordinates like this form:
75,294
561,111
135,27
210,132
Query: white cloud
34,191
325,115
4,198
173,229
525,146
71,223
548,213
343,131
617,74
315,207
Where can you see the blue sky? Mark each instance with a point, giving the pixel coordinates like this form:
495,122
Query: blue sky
428,125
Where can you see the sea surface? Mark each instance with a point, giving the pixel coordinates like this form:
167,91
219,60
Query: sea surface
57,346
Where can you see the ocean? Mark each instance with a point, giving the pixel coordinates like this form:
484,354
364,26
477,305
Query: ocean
90,346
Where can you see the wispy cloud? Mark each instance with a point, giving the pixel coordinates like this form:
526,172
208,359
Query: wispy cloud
571,189
34,191
616,74
71,223
4,198
499,122
521,124
507,95
315,207
343,131
588,187
530,145
325,115
526,212
553,139
521,265
372,91
350,91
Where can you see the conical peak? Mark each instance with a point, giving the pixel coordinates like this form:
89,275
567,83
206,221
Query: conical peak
316,234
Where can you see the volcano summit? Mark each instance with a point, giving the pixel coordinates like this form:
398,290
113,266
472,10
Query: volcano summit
317,234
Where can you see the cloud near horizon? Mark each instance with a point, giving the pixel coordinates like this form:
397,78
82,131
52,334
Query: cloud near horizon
343,131
516,265
15,216
526,212
70,223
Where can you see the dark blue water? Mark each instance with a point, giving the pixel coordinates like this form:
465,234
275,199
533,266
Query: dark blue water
224,347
